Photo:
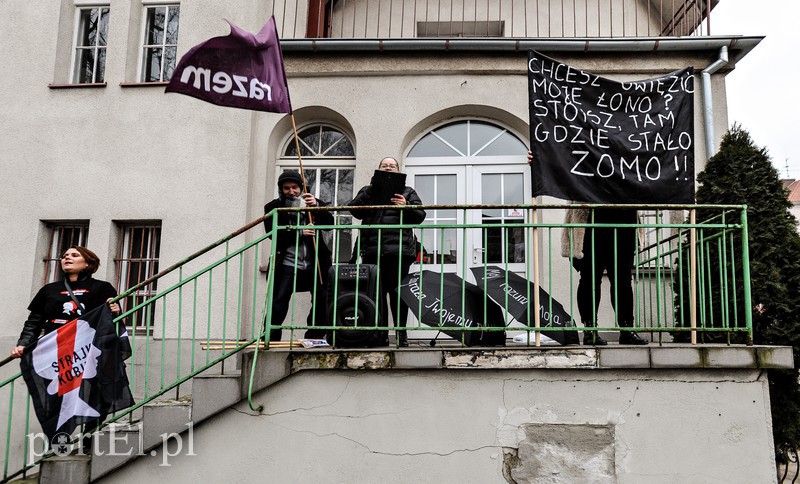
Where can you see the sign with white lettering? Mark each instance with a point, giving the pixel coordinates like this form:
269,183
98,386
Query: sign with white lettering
240,70
601,141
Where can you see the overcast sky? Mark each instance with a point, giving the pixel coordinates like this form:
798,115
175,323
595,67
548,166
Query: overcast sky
762,89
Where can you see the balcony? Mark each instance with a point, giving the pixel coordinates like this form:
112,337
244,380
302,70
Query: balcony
490,19
488,268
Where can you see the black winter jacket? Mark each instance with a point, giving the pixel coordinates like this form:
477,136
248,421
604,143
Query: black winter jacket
390,238
288,237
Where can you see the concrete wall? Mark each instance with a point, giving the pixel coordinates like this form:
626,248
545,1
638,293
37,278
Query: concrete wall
538,425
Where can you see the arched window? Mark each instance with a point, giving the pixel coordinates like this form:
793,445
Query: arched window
468,139
329,160
321,141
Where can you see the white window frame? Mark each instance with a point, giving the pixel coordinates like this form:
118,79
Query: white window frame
146,5
458,160
80,6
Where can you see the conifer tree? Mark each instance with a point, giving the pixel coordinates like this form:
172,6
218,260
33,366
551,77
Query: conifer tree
742,174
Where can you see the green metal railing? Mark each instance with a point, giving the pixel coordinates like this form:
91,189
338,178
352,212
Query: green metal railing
217,302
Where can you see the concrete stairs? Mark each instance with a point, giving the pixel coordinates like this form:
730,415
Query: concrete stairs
164,422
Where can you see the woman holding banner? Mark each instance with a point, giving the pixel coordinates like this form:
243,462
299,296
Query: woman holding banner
62,301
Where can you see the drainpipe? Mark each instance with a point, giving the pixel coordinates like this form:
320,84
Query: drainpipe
708,104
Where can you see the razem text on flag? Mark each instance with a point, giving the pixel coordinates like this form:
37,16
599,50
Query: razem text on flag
597,140
76,374
240,70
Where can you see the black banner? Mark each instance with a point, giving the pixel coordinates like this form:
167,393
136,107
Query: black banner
596,140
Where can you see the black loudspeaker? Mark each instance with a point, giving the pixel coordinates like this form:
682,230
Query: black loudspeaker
353,288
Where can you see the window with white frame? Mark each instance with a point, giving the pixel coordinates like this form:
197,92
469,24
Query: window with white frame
328,165
137,260
91,40
160,42
62,235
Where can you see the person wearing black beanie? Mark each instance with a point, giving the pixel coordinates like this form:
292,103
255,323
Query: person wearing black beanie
302,259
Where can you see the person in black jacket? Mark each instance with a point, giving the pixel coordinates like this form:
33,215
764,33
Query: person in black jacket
53,306
398,248
299,255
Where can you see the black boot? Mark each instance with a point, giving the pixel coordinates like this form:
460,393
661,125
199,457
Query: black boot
631,338
593,338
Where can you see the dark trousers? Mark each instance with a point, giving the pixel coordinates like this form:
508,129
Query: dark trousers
618,262
393,268
282,295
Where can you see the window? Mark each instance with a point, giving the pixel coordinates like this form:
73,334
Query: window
90,45
503,244
474,28
470,138
62,236
160,42
320,141
137,260
328,162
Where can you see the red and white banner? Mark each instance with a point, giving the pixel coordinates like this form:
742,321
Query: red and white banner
76,374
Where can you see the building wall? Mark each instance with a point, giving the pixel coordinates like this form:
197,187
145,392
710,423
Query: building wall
485,426
116,153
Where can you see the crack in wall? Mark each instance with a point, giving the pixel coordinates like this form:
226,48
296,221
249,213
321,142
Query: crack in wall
390,454
333,402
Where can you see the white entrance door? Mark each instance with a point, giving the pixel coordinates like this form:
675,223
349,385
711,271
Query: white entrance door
470,163
454,250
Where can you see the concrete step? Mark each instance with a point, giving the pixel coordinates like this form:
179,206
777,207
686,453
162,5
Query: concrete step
68,469
112,448
160,419
214,393
271,367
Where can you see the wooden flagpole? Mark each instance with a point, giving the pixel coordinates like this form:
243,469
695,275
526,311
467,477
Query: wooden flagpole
693,275
305,190
537,314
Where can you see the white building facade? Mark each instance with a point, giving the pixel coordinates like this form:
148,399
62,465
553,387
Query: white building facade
95,153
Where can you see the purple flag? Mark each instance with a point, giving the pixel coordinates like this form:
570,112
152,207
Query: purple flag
241,70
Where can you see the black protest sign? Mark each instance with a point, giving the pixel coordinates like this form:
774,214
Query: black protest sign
601,141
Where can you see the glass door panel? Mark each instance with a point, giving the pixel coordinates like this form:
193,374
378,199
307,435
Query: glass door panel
440,186
505,185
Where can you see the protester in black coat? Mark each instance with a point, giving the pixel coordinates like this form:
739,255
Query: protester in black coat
299,253
397,249
53,306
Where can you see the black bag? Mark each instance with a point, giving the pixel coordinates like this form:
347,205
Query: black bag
352,292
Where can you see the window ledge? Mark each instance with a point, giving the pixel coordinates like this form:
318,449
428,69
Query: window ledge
143,84
69,86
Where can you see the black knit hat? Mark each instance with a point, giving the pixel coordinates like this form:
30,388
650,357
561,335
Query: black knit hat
290,176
